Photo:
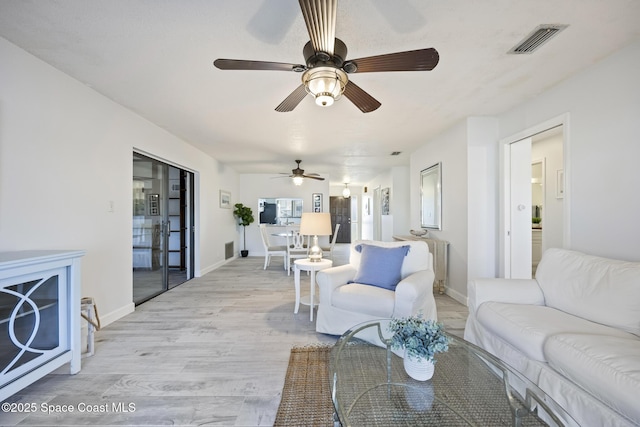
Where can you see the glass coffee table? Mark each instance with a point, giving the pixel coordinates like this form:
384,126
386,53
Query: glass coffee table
369,387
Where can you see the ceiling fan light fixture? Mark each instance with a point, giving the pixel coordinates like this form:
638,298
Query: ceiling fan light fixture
324,99
297,180
325,84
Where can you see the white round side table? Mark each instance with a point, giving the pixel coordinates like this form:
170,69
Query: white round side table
311,267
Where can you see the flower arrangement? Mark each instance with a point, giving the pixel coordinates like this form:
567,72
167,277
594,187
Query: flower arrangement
420,338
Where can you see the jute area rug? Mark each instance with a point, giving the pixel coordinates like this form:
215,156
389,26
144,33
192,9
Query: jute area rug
306,396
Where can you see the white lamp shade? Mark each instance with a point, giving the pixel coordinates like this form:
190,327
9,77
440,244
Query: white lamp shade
315,224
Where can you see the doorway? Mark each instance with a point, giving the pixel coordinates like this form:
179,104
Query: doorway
535,216
340,210
163,231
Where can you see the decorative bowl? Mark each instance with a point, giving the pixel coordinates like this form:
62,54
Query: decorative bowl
418,233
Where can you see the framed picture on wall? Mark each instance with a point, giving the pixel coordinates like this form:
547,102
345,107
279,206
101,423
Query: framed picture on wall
316,202
385,201
225,199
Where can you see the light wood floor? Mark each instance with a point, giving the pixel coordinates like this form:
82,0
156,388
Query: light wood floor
213,351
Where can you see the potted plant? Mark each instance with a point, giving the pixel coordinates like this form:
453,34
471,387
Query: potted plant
245,217
420,339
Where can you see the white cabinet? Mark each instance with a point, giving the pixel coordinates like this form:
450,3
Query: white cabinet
39,316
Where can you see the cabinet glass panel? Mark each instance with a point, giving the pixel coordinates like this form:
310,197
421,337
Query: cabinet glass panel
29,321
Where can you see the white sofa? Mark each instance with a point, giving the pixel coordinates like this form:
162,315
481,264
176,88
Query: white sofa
343,305
574,331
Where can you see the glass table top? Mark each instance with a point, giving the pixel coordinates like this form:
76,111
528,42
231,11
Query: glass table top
369,387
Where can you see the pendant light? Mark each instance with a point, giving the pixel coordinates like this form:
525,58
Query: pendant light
346,193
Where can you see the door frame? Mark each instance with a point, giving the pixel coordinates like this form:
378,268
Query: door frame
193,218
504,257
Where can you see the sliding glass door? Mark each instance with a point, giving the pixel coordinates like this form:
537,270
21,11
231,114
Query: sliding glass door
162,227
180,226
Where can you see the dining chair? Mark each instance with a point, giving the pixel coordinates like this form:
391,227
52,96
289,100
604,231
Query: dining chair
271,250
297,248
331,244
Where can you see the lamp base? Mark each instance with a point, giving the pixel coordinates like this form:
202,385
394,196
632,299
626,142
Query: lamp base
315,252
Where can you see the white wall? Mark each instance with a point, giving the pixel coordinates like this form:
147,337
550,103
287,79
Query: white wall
400,195
65,154
256,186
449,148
482,197
602,176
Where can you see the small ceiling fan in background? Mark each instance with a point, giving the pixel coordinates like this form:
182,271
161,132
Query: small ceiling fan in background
298,174
325,75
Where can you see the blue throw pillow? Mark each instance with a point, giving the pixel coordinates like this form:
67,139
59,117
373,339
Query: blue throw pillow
380,266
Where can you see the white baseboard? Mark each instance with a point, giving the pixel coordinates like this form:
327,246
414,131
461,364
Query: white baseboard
209,269
106,319
462,299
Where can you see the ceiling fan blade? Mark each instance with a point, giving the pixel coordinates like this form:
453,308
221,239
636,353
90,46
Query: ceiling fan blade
313,177
412,60
320,17
292,101
241,64
361,99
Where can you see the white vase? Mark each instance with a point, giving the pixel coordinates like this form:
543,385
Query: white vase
418,368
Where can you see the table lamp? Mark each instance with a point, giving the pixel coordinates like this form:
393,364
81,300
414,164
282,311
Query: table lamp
315,224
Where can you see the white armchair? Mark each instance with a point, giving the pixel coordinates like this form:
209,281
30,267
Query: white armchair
343,305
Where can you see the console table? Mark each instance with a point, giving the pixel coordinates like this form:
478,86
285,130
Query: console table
439,250
39,316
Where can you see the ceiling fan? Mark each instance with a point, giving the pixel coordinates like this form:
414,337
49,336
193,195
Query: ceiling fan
325,74
298,174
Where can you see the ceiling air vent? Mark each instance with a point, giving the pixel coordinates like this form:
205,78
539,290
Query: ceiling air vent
537,38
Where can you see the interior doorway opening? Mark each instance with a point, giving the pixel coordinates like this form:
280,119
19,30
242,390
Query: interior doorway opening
535,209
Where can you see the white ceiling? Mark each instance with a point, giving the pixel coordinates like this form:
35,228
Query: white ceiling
155,57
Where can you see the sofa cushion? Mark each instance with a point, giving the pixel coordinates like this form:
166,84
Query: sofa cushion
607,367
527,327
380,266
598,289
419,258
366,299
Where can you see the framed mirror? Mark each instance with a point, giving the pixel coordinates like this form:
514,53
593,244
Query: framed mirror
431,197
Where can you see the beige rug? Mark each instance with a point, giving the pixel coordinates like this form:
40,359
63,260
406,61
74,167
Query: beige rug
306,396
